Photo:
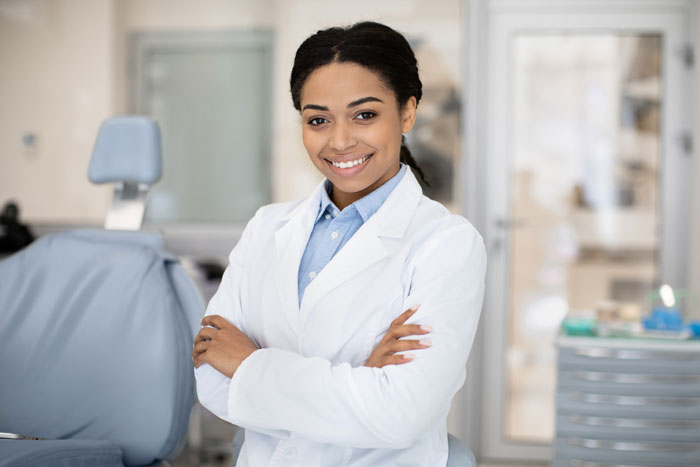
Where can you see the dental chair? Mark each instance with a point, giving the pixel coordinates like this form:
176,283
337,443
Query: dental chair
96,329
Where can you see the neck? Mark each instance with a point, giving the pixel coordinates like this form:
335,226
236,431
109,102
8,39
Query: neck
343,200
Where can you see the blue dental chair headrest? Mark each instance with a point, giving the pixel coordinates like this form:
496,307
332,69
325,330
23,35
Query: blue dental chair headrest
127,149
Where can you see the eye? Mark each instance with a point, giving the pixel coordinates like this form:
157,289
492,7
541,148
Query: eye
366,115
316,121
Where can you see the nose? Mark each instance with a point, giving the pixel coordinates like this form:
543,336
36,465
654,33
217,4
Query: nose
342,137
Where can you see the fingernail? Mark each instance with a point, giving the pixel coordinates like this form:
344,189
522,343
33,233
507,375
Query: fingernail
425,343
426,328
408,356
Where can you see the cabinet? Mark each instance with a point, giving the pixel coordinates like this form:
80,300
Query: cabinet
627,403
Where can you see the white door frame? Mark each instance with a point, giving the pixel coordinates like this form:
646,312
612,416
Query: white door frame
486,163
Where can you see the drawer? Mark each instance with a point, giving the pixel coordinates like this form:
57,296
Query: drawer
619,405
629,360
564,462
629,383
628,428
625,452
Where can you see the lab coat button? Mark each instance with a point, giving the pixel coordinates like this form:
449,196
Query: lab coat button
334,235
312,274
291,453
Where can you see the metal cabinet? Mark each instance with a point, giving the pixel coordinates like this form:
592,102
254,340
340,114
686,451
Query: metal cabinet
627,403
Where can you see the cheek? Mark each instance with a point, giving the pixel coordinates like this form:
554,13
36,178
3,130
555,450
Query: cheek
386,137
311,142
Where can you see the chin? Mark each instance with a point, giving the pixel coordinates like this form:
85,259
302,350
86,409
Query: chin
348,186
355,188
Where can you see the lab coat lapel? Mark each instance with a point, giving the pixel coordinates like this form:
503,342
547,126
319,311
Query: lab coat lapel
362,250
368,245
290,243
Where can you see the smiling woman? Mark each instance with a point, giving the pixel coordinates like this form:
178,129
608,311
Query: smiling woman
305,341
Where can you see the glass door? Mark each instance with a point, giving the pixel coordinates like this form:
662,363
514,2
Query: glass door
584,188
584,191
210,94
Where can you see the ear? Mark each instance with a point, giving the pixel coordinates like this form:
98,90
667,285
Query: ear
408,115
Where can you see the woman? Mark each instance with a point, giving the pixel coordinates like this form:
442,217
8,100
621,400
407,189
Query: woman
304,341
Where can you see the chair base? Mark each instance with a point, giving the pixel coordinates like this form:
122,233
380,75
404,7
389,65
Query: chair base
59,452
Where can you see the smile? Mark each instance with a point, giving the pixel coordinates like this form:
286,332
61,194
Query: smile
349,164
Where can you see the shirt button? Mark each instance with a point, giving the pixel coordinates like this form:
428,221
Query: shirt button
312,274
327,216
291,453
334,235
335,212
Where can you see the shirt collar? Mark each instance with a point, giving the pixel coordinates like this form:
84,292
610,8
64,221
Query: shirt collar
365,206
326,204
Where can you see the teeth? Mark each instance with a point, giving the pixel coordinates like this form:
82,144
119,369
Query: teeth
347,165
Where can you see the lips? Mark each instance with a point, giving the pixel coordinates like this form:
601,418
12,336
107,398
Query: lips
350,166
348,163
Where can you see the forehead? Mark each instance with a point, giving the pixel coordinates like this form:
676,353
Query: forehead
342,83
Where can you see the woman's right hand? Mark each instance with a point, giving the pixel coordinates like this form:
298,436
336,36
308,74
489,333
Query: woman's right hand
384,353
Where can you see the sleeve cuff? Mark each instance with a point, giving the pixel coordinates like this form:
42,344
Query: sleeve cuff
238,380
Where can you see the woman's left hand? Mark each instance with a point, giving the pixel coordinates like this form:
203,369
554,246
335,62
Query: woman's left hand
222,346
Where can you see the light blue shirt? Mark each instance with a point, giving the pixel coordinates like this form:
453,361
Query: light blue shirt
333,228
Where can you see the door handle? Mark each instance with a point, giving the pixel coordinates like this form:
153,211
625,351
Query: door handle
632,422
625,354
634,378
591,398
632,446
508,223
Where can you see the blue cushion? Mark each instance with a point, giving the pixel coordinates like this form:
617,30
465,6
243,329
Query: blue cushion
59,453
127,149
96,331
459,454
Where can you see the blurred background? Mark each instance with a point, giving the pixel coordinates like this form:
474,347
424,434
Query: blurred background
564,131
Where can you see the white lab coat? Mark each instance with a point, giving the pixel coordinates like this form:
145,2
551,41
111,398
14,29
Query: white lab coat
305,398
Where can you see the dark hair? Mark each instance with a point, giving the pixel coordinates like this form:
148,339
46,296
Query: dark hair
372,45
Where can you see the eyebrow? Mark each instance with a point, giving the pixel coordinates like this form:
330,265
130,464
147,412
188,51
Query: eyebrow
351,104
363,100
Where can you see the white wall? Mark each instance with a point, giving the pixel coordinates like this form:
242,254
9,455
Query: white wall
57,83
